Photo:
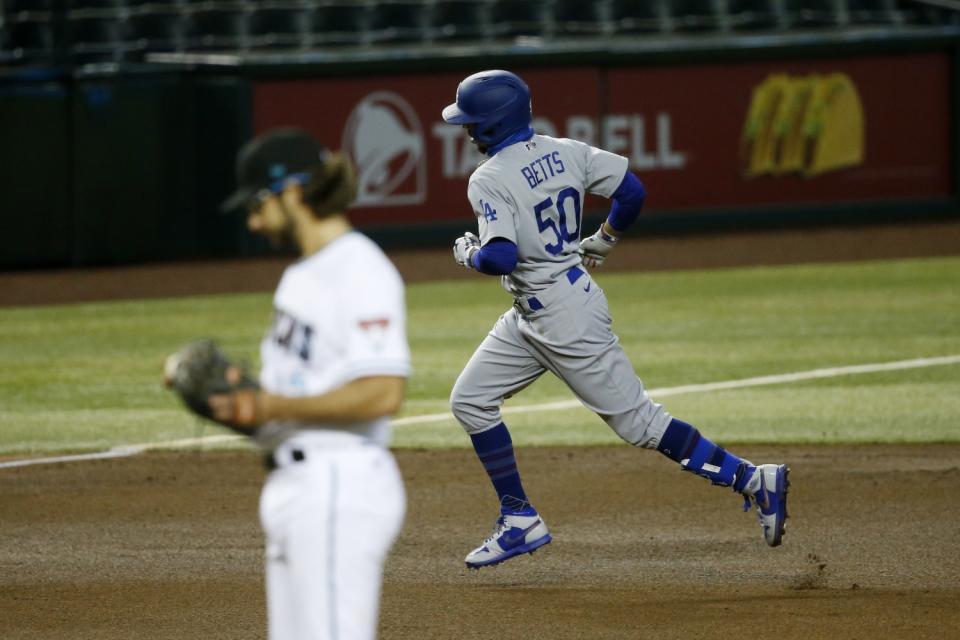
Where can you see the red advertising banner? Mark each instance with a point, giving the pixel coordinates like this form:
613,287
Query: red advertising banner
882,124
411,166
700,136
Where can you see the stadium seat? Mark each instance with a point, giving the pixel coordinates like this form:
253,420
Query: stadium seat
865,12
811,14
97,39
577,18
514,18
31,39
752,14
913,12
339,23
278,27
457,20
218,29
637,16
95,30
96,5
157,5
695,15
160,30
14,7
397,21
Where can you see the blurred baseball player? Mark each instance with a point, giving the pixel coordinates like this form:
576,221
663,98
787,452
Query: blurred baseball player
528,197
334,367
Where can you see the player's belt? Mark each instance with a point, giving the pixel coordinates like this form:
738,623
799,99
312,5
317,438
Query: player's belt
574,273
531,304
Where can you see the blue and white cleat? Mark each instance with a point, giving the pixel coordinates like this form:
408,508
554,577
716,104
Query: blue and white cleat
514,534
769,488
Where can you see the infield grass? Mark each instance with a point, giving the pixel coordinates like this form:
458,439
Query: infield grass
87,376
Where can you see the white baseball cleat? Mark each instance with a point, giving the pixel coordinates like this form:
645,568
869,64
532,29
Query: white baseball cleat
512,535
769,488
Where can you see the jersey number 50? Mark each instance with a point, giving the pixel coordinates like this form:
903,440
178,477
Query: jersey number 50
556,219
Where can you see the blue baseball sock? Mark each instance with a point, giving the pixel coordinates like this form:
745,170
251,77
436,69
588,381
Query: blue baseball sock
683,443
494,447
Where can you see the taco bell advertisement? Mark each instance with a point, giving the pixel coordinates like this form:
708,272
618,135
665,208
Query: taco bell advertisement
699,136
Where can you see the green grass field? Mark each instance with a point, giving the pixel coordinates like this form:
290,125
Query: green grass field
86,377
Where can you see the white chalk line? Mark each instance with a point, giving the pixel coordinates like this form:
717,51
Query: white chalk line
759,381
121,451
717,386
116,452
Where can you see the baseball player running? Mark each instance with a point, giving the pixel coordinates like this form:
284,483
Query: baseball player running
528,197
334,366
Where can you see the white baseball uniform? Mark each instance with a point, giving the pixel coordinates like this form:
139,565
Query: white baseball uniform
334,504
532,194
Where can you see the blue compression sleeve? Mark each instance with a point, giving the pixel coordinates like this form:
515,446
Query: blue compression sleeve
627,202
496,258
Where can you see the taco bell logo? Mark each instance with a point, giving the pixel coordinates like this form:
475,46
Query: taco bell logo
384,139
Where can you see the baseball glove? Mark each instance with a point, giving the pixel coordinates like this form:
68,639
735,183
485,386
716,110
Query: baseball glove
199,371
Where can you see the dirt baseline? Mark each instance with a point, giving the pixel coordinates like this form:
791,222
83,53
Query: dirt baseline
167,545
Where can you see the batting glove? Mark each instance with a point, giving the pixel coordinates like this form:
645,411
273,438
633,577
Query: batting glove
595,249
464,248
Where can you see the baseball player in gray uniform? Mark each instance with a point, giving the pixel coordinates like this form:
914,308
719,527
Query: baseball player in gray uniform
528,197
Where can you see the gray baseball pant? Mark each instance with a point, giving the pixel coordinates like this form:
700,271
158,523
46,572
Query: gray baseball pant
565,329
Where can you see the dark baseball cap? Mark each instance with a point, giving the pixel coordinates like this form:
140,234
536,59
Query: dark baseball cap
268,160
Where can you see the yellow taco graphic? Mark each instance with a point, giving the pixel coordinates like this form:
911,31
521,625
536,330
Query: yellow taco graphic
806,125
834,126
790,148
757,140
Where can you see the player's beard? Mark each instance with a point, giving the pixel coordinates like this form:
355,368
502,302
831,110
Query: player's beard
482,148
284,236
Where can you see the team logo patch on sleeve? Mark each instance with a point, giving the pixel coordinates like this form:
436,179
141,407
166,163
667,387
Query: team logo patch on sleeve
375,330
376,323
488,212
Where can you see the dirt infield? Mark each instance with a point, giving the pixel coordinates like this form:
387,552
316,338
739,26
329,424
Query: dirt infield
167,546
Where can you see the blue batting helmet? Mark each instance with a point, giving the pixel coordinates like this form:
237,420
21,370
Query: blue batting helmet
495,104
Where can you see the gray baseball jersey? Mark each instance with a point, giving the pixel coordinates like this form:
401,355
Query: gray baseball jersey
531,193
